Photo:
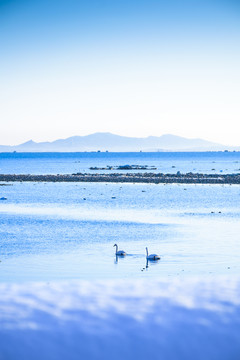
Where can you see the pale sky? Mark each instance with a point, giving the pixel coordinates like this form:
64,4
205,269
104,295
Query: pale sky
134,68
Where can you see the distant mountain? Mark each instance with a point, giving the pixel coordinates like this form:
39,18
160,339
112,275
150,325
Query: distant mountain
111,142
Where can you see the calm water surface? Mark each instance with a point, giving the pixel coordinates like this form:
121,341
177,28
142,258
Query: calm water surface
169,162
55,231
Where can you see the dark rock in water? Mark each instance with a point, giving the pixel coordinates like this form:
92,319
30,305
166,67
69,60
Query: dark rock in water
113,197
124,167
3,198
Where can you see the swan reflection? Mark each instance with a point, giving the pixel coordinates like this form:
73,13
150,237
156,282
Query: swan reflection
117,259
148,262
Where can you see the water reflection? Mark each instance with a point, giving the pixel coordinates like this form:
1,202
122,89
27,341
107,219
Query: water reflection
148,262
117,257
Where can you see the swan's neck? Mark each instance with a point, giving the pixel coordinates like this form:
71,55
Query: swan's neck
116,248
147,251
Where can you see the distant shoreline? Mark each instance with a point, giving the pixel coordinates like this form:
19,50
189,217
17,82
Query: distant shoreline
108,142
149,178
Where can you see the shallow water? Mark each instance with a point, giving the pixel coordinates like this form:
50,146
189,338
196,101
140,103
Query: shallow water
49,232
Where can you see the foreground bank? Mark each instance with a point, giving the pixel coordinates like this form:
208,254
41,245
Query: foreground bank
188,178
191,319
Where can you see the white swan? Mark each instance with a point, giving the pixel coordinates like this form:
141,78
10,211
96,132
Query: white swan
152,256
119,252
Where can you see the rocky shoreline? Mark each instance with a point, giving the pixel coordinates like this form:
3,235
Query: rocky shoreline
189,178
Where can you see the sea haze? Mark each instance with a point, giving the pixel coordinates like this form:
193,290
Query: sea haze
112,142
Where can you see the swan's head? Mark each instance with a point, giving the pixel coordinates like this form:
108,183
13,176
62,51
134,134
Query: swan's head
114,245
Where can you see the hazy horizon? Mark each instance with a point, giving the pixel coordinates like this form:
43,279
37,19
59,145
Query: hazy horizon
133,68
106,141
107,132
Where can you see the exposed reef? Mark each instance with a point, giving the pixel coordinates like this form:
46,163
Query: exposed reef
125,167
179,178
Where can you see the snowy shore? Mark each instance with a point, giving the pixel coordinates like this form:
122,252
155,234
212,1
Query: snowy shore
166,319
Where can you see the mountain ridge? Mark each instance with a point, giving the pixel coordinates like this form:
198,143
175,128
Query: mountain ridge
106,141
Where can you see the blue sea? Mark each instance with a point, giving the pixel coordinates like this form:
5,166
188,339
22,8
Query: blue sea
165,162
65,295
58,231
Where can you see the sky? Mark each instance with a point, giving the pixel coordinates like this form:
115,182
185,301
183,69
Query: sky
130,67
